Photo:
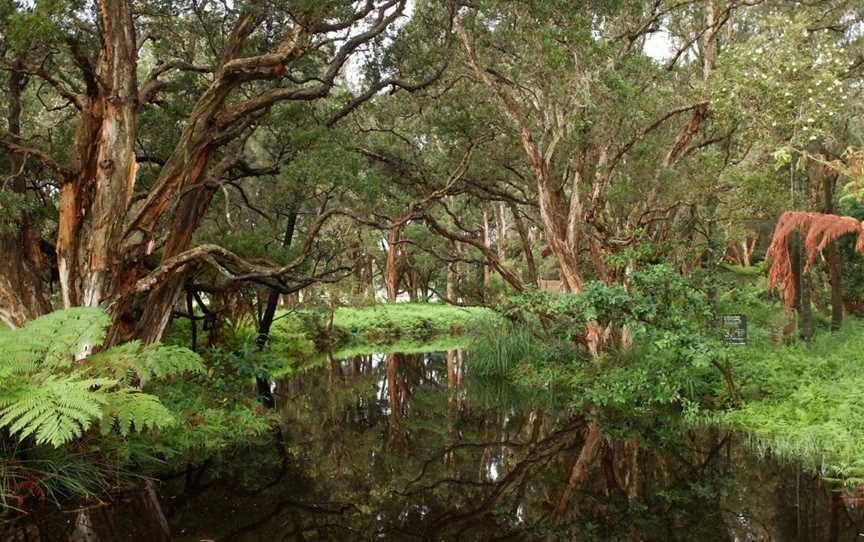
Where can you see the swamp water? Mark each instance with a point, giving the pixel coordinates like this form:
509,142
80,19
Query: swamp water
408,447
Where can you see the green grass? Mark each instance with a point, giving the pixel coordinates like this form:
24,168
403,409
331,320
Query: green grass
497,350
385,324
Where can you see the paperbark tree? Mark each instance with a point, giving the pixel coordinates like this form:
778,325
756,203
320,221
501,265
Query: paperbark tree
573,162
108,226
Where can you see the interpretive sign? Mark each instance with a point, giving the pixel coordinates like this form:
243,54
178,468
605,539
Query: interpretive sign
734,328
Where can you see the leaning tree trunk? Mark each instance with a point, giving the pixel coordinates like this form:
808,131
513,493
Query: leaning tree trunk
185,219
273,296
23,296
552,210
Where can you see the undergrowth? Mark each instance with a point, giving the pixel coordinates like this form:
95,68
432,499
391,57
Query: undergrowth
806,401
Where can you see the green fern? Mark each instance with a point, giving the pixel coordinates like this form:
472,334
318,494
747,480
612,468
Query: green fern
47,396
130,409
55,410
161,361
54,339
132,360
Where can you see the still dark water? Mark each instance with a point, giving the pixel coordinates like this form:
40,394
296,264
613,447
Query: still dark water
408,447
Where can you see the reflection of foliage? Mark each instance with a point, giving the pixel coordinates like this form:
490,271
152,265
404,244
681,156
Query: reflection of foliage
476,458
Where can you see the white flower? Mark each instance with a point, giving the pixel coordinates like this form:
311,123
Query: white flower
813,137
810,120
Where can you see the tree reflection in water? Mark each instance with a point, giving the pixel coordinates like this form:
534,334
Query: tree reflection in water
409,447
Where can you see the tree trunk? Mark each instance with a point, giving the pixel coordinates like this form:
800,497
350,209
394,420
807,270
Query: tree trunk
835,262
273,296
500,231
23,296
835,273
525,239
453,274
94,200
552,210
393,263
802,301
486,243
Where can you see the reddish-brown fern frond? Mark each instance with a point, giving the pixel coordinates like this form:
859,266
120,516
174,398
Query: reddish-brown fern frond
818,230
823,230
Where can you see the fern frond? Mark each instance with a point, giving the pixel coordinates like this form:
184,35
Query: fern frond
53,339
152,361
116,362
56,410
127,409
47,397
161,361
818,230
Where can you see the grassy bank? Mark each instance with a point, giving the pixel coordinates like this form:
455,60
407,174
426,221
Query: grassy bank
384,324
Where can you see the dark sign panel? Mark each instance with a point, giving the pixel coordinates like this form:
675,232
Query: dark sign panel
734,328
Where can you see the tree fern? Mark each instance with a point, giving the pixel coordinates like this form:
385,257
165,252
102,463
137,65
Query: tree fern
54,411
131,409
54,339
145,362
46,396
